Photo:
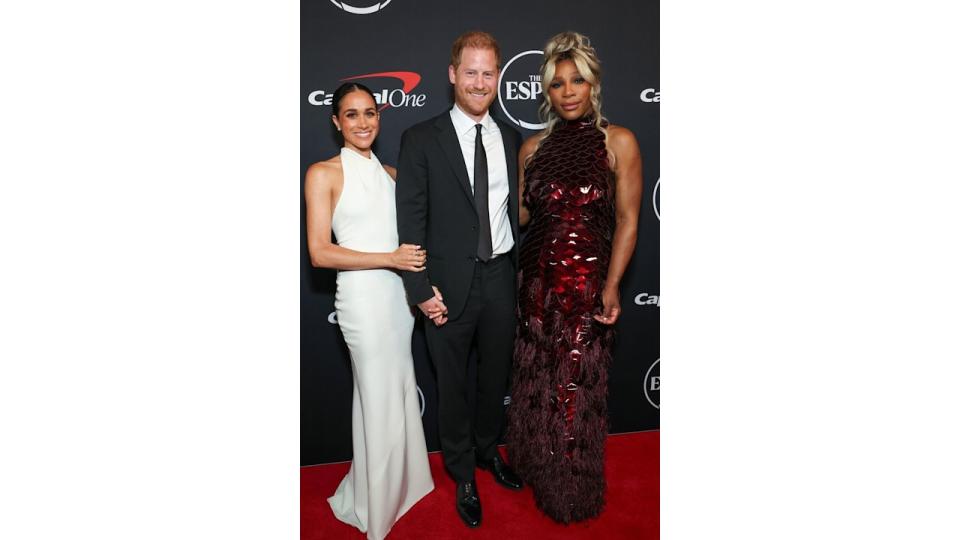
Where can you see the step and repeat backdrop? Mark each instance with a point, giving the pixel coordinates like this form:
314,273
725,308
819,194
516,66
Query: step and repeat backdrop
401,49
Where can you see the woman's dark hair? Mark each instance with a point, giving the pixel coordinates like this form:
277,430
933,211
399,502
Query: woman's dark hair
345,89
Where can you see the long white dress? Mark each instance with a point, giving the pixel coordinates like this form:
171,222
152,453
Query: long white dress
389,473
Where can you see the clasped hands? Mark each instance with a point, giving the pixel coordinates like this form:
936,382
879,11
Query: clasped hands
434,308
412,258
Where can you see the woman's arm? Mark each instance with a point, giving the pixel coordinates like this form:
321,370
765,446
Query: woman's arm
525,151
324,182
629,190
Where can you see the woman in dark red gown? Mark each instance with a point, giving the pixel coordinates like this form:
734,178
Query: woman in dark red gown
581,184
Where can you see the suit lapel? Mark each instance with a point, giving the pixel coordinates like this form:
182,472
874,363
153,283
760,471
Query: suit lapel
450,144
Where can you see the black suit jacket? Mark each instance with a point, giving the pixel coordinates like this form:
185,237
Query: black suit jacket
436,208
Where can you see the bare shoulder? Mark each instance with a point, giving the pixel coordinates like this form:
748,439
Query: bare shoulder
622,139
531,143
324,175
392,171
528,147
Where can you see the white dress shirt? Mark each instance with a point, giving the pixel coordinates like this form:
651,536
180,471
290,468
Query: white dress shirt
498,184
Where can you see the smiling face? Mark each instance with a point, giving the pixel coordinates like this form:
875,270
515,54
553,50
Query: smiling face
475,81
569,92
358,120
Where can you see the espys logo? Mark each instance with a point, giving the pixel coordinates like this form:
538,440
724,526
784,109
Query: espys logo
647,299
386,97
656,199
651,384
365,8
650,95
520,88
332,317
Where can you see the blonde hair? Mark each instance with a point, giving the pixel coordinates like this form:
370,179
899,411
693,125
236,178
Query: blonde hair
575,47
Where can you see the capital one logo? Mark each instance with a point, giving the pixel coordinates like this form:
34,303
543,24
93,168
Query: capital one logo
647,299
656,199
650,95
651,384
520,88
384,92
360,7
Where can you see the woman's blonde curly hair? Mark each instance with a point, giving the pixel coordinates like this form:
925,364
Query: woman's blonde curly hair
575,47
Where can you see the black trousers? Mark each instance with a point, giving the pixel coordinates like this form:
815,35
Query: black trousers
489,318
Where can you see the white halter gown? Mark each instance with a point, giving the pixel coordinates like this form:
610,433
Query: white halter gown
389,473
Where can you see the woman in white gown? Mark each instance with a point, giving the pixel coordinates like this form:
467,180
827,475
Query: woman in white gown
352,196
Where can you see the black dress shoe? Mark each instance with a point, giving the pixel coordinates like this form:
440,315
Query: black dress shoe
468,503
502,472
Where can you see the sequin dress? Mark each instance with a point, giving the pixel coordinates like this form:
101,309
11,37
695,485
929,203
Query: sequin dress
557,417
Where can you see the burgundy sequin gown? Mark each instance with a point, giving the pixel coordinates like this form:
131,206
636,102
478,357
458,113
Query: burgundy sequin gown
557,417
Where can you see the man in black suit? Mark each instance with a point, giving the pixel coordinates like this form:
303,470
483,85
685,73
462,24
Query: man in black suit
457,197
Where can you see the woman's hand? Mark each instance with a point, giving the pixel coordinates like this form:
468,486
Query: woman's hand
611,306
409,257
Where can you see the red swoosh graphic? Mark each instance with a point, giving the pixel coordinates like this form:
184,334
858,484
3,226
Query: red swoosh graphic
409,79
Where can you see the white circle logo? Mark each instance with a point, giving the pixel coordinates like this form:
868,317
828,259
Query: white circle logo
522,90
651,384
361,10
656,199
332,317
423,401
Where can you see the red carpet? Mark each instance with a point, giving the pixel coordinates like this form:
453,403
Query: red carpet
632,511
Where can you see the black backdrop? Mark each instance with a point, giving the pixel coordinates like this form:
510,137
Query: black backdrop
401,49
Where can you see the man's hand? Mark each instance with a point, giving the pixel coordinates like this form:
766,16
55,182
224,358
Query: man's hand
434,308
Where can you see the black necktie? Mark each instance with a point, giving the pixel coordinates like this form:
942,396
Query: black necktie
481,196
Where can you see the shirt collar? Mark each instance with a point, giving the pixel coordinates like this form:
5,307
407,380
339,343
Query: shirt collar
463,123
